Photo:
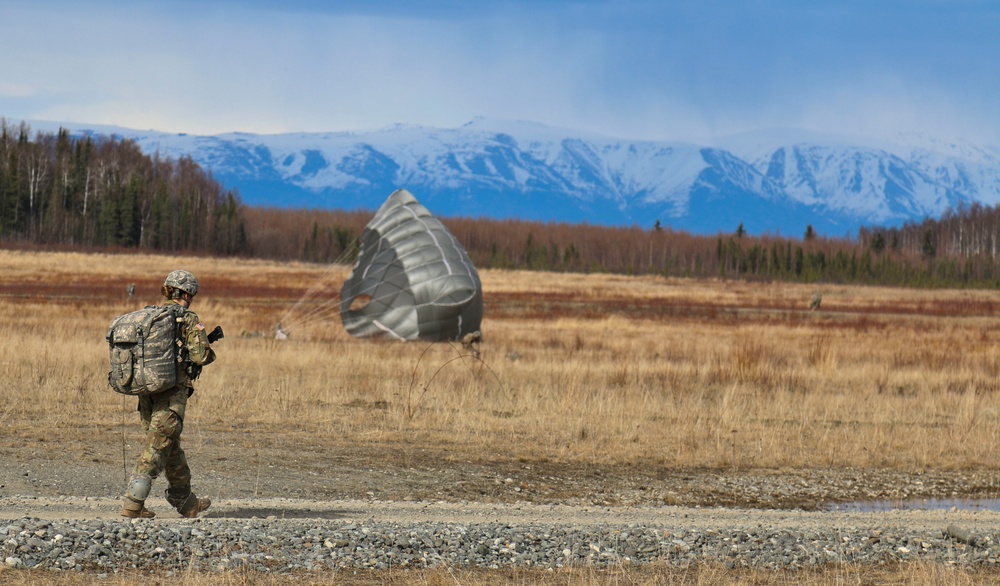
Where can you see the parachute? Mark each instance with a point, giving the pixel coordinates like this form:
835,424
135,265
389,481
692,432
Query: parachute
413,280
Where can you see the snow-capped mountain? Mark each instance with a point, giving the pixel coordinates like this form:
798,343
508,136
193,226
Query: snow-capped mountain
778,181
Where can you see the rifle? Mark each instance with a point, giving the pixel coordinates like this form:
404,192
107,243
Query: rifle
216,335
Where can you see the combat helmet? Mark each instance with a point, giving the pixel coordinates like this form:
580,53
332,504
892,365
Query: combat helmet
181,280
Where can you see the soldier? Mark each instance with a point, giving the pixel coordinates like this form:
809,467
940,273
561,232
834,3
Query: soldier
162,415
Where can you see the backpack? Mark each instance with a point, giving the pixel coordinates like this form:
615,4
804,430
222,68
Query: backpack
145,350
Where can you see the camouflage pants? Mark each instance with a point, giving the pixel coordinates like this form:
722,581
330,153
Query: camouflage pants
163,419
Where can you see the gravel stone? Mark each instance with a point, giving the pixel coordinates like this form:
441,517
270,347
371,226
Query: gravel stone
287,545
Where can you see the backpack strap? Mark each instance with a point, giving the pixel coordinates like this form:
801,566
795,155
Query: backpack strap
177,315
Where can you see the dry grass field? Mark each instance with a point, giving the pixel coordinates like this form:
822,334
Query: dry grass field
916,574
584,368
585,372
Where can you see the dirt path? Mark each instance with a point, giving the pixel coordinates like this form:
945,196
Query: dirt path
278,491
410,485
310,468
669,517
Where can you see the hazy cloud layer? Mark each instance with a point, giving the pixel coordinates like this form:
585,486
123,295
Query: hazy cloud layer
628,68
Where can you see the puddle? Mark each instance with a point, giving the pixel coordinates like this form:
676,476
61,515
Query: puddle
990,504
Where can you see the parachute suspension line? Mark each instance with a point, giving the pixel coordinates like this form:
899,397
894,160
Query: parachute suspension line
124,462
309,311
413,406
315,290
316,306
320,285
328,311
483,363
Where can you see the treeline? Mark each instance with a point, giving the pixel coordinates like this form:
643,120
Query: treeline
89,192
104,192
960,250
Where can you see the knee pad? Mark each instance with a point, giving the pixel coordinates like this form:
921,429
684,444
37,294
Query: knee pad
139,488
167,424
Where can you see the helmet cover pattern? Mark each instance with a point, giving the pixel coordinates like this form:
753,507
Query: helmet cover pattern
183,280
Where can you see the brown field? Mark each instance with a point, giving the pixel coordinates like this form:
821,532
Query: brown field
907,575
578,373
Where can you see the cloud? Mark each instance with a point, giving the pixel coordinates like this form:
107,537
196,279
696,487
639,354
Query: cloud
18,90
628,68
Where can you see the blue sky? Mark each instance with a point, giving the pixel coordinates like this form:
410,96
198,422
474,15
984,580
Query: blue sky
645,69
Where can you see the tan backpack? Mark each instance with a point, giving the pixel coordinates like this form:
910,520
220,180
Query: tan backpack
146,350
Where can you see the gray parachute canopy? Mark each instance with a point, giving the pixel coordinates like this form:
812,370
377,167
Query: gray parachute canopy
413,280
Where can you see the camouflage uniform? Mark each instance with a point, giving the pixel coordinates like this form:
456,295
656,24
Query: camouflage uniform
162,417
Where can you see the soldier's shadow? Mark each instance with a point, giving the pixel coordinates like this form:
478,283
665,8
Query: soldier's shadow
275,512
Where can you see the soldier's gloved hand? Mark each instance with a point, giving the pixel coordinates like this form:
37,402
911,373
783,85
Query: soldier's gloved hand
215,335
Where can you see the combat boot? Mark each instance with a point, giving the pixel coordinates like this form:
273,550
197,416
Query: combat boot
194,505
134,509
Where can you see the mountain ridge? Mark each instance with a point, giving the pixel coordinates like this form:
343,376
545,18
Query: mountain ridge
775,181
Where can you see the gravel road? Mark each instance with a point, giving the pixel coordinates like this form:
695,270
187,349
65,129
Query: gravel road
306,509
285,535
